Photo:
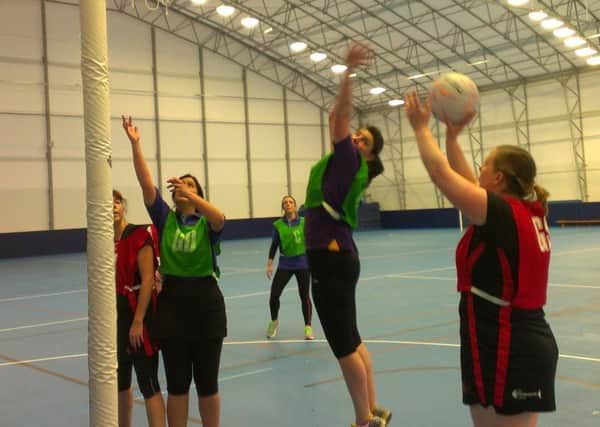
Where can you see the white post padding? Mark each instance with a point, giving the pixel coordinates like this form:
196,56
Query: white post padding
102,353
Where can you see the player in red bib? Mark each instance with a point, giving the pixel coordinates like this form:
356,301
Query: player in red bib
508,351
137,347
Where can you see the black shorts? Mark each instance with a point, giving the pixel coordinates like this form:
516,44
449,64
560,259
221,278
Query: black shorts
508,357
334,279
191,309
185,359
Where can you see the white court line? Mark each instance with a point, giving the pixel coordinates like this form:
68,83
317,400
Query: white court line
44,359
254,294
566,285
249,252
40,325
297,341
408,276
42,295
232,377
245,374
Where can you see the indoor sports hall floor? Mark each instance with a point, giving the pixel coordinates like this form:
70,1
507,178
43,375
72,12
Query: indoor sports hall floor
407,314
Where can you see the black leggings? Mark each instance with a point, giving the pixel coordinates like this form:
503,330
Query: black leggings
198,359
334,279
282,277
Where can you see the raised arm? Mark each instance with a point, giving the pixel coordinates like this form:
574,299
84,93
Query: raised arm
213,215
456,157
142,172
464,194
342,111
331,126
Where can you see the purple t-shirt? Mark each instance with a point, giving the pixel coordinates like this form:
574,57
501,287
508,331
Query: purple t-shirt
319,227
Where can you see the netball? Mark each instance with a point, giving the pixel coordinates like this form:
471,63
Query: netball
454,96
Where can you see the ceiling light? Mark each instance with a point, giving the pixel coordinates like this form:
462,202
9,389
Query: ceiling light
298,47
268,30
416,76
377,90
317,56
225,10
551,23
574,41
537,15
483,61
395,102
594,36
517,2
563,32
352,75
338,68
249,22
586,51
198,2
594,60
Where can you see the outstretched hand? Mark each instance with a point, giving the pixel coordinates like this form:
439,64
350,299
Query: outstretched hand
417,114
131,131
358,54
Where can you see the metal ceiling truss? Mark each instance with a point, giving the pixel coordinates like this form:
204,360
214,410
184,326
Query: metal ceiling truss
234,46
572,95
393,131
520,114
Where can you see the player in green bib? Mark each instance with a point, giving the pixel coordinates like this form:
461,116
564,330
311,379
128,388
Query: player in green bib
288,235
191,309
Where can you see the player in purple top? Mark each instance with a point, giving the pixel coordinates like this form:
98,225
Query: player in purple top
335,186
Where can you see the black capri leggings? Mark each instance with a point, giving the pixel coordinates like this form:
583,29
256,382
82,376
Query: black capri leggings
281,279
334,279
186,359
146,371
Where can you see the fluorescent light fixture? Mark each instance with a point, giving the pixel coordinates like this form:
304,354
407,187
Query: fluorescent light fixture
594,60
225,10
268,30
594,36
483,61
395,102
298,47
416,76
377,90
586,51
551,23
317,56
517,2
537,15
198,2
249,22
338,68
563,32
352,75
574,41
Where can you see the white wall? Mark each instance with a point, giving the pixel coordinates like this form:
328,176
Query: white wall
172,132
242,163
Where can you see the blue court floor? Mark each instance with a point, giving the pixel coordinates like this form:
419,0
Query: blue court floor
407,316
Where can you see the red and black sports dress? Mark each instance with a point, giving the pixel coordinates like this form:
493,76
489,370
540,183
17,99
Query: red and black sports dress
128,281
508,351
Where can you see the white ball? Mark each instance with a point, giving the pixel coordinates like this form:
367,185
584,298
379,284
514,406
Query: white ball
455,96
